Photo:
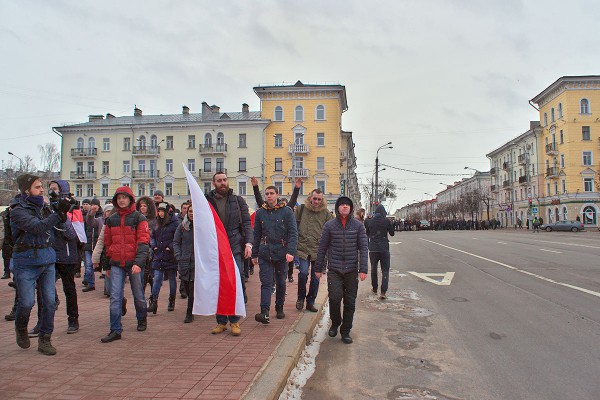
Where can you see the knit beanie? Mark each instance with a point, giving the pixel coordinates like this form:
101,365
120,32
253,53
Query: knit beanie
86,201
24,181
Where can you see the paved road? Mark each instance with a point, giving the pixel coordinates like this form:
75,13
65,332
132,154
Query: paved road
519,320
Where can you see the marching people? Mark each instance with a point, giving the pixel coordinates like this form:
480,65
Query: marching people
344,241
146,206
182,214
233,213
126,238
310,216
275,241
32,225
93,225
377,229
183,246
163,256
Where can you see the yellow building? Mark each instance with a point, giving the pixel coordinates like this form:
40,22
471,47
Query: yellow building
569,149
305,139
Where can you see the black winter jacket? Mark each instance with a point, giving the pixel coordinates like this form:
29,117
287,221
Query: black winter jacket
183,245
378,228
238,231
275,233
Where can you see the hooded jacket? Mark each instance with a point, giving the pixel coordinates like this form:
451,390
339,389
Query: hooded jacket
162,239
275,232
346,247
65,238
378,229
183,245
126,235
93,226
310,225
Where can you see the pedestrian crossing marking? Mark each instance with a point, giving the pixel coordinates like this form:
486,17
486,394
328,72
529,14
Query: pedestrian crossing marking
431,277
395,242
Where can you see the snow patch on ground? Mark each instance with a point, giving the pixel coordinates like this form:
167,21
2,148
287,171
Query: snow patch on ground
306,364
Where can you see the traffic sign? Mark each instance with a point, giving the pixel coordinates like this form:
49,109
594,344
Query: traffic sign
534,210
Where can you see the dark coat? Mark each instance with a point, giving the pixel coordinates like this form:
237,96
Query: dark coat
378,229
183,245
275,233
65,240
93,226
238,231
346,247
7,245
162,238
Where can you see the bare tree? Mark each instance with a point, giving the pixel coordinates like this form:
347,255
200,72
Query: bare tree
387,191
49,157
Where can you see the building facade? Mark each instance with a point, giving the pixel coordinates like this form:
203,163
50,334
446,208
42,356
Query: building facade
570,135
466,199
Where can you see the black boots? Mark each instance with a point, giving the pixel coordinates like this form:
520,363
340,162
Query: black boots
189,317
280,313
45,345
22,338
153,304
263,316
112,336
171,306
73,326
12,315
142,324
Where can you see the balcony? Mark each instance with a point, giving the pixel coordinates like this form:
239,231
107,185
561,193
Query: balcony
494,171
145,151
343,155
551,149
523,159
552,172
145,174
84,152
505,165
298,173
298,149
202,174
494,188
523,180
506,184
219,148
83,175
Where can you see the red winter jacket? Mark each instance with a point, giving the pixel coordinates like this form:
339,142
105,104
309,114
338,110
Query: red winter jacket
126,235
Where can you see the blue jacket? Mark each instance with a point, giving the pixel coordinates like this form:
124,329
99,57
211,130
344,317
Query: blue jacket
275,233
33,233
162,238
65,238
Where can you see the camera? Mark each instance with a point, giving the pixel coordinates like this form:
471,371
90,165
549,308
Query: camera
61,202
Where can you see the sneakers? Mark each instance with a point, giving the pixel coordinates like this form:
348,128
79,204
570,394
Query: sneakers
124,307
22,338
280,313
383,296
45,345
73,327
235,328
220,328
142,325
262,316
88,288
111,337
346,338
300,305
311,308
35,331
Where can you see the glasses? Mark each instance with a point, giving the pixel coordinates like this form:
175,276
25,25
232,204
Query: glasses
270,193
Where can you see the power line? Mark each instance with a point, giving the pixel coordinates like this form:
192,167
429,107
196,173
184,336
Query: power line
421,172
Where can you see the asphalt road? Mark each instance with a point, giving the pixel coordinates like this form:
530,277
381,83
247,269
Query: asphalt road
520,319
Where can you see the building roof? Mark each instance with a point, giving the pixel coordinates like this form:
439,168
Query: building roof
300,86
563,79
533,125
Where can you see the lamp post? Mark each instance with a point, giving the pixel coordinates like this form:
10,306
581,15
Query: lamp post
376,193
373,199
21,162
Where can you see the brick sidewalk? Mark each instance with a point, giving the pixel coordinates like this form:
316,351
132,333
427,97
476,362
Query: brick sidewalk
170,360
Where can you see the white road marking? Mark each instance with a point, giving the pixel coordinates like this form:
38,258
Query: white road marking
475,238
395,242
519,270
427,276
570,244
552,251
502,243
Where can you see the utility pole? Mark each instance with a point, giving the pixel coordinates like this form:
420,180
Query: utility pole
376,194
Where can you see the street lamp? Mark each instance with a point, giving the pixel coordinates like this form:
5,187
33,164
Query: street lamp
373,199
385,146
21,162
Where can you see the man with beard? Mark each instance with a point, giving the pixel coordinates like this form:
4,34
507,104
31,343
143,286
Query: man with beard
233,213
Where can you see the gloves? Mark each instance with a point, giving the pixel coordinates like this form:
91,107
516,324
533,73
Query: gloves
61,215
64,205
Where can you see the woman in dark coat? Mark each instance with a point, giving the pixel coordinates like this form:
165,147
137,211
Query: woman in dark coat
146,206
183,245
163,258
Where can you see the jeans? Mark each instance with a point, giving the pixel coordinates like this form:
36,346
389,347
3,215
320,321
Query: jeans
25,278
67,277
158,280
268,269
382,257
313,288
342,286
89,269
117,280
106,285
222,319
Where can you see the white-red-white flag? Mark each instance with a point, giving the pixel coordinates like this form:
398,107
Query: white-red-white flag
76,218
217,284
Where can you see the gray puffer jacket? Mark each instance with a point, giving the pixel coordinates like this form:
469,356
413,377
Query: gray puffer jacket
183,246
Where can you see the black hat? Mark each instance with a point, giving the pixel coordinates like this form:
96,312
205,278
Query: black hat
24,181
95,202
158,193
86,201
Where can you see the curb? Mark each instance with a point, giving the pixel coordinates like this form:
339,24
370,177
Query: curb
272,378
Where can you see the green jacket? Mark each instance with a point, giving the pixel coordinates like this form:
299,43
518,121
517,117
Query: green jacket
310,227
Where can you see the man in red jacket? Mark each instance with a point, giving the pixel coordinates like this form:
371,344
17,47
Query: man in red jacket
126,239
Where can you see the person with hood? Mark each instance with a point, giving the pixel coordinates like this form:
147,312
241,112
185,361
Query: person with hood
344,241
126,238
378,229
311,216
275,241
183,246
163,258
93,225
180,216
33,225
146,206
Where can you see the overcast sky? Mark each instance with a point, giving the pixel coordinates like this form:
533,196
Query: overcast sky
445,81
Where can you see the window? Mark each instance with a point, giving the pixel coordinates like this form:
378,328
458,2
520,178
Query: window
564,186
153,141
91,143
168,189
565,214
242,140
562,160
320,139
220,138
207,140
241,188
321,186
207,187
552,115
90,190
585,133
242,164
320,113
126,144
320,163
560,110
80,143
105,167
141,189
169,142
588,184
151,188
191,141
220,165
169,165
142,141
278,140
207,165
141,165
562,137
532,169
90,166
278,164
279,186
105,190
278,113
191,164
79,190
299,113
79,167
587,158
106,144
545,119
555,187
584,106
548,189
